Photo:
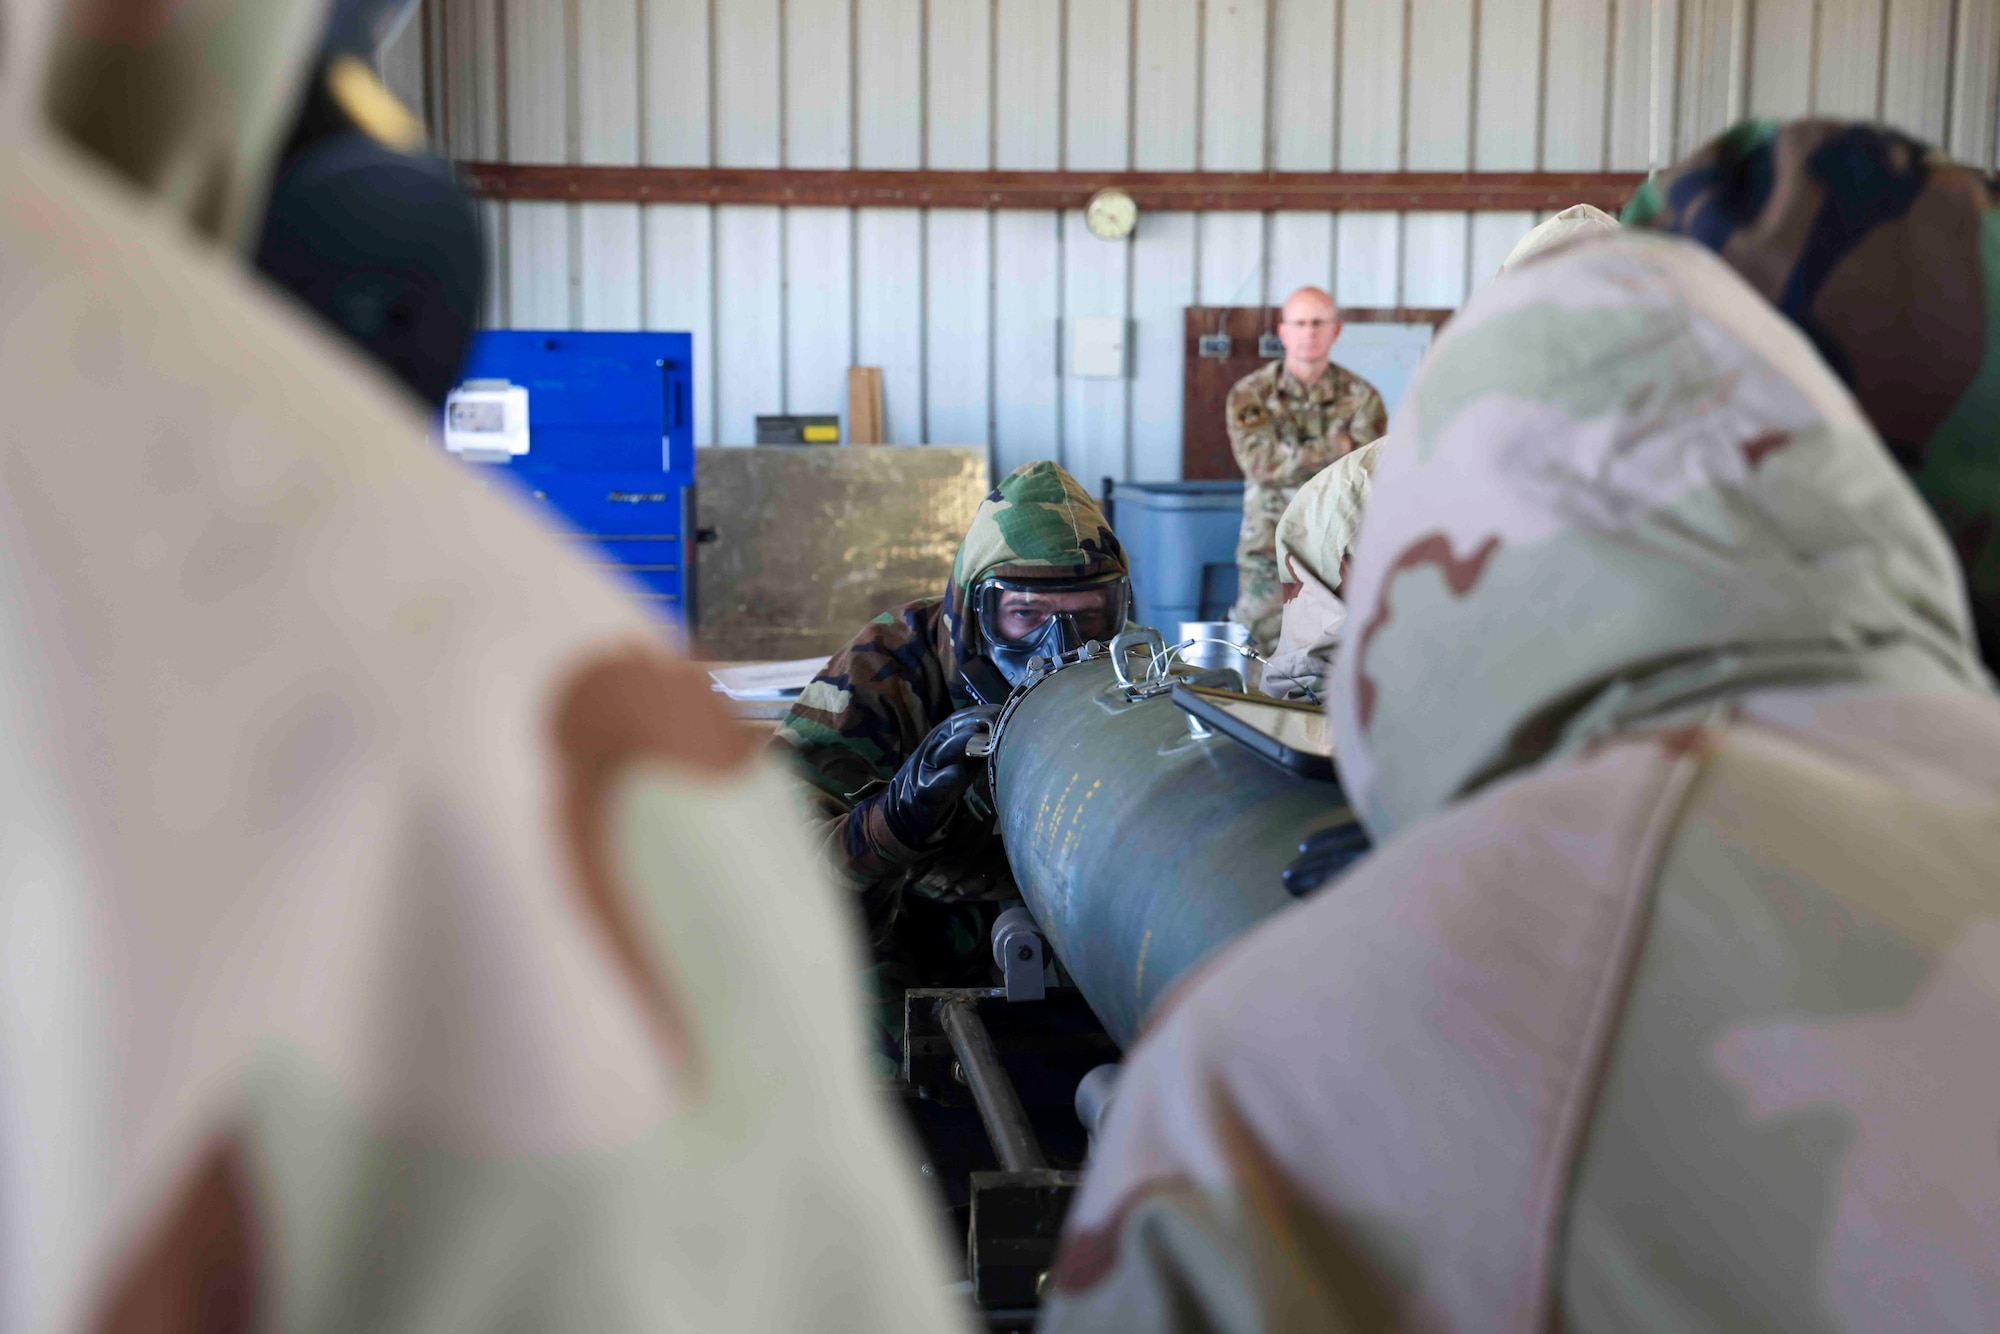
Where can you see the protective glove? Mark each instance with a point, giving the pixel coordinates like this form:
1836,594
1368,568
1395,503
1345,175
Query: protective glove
923,796
1324,854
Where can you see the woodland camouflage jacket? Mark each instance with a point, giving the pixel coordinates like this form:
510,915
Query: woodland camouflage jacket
876,701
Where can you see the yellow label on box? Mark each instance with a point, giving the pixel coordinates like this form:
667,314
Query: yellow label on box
822,435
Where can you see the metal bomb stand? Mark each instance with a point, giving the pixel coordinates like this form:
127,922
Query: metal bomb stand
1141,842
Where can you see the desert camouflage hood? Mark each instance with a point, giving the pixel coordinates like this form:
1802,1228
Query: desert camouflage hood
1639,491
1038,521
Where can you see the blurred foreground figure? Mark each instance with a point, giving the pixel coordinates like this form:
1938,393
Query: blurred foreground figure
1670,998
1314,538
1886,254
395,938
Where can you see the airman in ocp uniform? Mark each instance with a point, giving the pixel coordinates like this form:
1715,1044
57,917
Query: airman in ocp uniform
1288,421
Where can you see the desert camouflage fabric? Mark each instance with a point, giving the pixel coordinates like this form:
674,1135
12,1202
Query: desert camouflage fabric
1282,433
1887,255
1318,529
880,697
1321,524
1578,222
1670,996
400,936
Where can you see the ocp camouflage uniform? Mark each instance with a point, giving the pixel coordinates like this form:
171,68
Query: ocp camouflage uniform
1282,433
876,701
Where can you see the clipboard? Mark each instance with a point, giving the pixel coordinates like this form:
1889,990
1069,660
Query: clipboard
1295,736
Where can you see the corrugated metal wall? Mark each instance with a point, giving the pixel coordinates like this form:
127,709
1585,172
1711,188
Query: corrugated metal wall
962,309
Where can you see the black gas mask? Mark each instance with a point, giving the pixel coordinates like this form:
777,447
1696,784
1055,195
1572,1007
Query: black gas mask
1023,618
364,224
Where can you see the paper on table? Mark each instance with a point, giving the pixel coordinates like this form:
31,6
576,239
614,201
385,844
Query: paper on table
766,680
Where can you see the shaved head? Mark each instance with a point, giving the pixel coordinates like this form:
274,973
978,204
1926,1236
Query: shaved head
1307,300
1308,327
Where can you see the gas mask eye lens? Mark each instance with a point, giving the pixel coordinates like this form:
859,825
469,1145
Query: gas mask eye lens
1020,618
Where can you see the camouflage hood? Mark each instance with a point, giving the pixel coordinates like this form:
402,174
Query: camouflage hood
1624,489
1886,255
1039,522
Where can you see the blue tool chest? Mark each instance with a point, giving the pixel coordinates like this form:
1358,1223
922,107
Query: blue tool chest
608,447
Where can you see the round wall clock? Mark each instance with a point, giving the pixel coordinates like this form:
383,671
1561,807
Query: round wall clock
1111,215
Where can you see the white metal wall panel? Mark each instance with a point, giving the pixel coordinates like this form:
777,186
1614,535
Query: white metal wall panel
1304,62
1493,236
538,287
1371,86
1367,259
1913,97
1781,58
1629,85
1096,273
1232,129
819,123
1028,85
1299,246
1976,90
1437,127
1166,75
1368,246
889,73
1094,284
1705,98
1232,259
889,258
1848,58
1506,130
749,242
1301,254
889,305
1233,94
958,85
1975,82
749,321
473,117
819,306
744,88
819,295
677,125
538,62
958,249
1099,57
965,310
1026,316
1162,290
1028,93
610,277
1575,89
681,293
957,322
607,100
609,264
1434,259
